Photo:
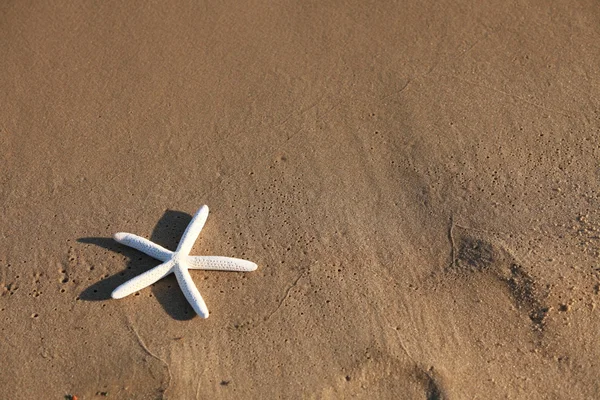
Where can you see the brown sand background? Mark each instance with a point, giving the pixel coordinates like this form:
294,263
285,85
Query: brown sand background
418,182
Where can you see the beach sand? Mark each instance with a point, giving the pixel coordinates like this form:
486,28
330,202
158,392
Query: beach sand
418,182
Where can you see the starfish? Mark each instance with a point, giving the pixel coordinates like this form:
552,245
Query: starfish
178,262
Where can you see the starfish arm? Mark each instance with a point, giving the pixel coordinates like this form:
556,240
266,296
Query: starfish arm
190,291
220,263
192,231
144,245
144,280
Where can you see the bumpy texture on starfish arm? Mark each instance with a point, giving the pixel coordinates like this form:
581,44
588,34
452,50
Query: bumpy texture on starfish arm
178,262
217,263
192,231
143,280
190,292
144,245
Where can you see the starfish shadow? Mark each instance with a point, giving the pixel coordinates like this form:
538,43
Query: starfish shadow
167,232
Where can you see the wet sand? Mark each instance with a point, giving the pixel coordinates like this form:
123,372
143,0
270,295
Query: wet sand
418,183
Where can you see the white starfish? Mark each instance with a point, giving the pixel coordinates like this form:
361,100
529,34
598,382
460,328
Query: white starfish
178,262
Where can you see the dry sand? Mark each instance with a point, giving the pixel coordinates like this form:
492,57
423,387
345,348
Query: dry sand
419,184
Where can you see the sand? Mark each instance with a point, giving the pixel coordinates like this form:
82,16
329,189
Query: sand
418,182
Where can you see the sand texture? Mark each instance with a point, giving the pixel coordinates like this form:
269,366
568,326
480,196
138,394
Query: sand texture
418,182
